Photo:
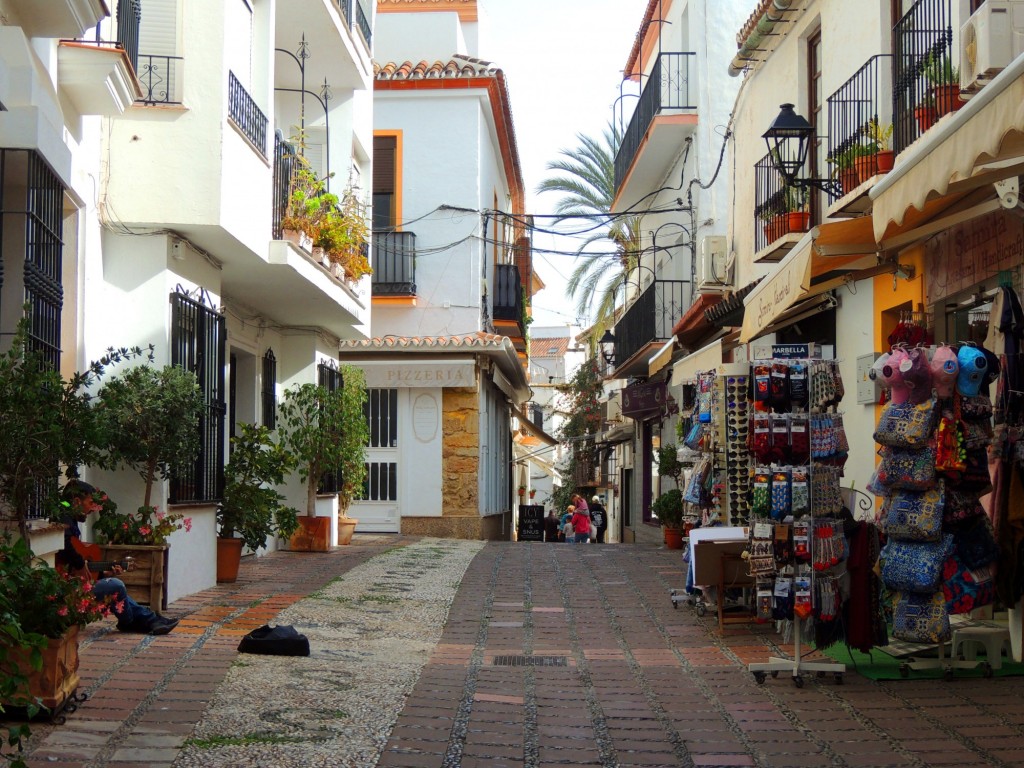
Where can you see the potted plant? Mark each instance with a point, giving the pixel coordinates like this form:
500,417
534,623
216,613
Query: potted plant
945,82
522,491
151,419
798,218
48,421
668,507
327,432
881,135
774,219
844,168
43,610
865,161
251,510
533,492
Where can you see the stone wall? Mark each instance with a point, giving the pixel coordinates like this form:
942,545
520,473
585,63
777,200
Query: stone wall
460,454
493,527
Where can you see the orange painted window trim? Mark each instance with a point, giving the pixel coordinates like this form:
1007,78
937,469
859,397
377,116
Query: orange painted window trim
397,135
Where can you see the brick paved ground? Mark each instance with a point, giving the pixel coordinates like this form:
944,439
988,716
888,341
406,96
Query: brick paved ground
641,684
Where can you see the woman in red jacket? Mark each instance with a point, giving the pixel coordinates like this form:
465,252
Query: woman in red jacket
581,524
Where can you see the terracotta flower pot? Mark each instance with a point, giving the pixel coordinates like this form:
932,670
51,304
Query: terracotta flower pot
925,116
848,180
866,166
886,159
673,537
798,221
346,527
947,99
314,535
229,557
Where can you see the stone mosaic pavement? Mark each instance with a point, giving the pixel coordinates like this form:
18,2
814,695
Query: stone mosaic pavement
616,677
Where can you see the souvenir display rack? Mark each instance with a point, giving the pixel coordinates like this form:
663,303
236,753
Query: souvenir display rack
797,547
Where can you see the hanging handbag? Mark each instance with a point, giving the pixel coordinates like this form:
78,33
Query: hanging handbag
966,588
921,618
913,566
950,455
915,515
975,477
692,439
906,425
960,506
902,469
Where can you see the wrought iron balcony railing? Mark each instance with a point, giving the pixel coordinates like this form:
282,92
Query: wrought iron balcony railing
924,43
778,209
129,16
345,6
394,263
364,23
667,88
247,116
160,78
284,167
651,317
508,293
860,114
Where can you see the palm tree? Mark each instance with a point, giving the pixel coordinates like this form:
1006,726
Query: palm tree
586,178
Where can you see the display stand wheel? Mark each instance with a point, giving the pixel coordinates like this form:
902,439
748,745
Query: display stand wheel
798,681
759,677
904,670
986,670
947,674
839,678
775,673
701,609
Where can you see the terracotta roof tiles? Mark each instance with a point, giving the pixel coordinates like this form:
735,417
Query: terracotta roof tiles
460,66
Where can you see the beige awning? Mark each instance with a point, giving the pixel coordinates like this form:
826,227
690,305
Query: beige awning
661,358
779,291
976,146
704,359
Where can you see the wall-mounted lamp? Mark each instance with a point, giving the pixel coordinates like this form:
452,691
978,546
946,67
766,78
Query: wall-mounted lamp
788,139
607,343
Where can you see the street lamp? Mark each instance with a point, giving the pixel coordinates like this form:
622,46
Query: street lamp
607,343
788,139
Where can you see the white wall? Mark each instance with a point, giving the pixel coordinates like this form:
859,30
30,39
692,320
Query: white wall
417,37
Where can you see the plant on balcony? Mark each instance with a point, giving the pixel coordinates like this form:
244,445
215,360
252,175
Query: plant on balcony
773,214
798,217
849,161
881,135
945,82
335,224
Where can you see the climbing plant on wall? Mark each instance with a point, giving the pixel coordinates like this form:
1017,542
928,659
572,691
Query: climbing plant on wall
581,401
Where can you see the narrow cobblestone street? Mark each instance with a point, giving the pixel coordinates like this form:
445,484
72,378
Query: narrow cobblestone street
550,655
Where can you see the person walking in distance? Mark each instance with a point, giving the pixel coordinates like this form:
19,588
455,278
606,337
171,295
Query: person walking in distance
600,517
552,525
581,525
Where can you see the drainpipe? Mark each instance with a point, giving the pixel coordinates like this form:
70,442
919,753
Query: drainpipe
765,26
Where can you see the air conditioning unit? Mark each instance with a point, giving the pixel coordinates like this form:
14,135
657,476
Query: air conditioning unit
989,41
712,273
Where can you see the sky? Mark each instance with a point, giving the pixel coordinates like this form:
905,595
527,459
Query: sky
563,62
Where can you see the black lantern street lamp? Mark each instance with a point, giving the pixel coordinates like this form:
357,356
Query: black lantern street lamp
607,343
788,139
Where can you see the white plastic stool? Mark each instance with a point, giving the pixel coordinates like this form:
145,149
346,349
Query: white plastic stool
992,639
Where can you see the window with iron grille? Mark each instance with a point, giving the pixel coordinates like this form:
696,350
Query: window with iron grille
269,390
198,344
329,377
31,192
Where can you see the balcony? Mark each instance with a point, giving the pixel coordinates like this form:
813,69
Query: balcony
58,18
394,263
160,78
781,214
334,34
664,117
97,78
924,89
860,134
247,117
647,324
508,299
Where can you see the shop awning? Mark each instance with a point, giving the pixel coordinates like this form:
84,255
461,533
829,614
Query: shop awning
703,359
661,358
694,323
980,144
620,433
527,427
829,256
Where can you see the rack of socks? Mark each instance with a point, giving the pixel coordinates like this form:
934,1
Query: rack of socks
797,548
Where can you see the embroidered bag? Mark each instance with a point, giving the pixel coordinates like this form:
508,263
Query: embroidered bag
975,477
907,470
960,506
906,425
975,543
913,566
950,456
915,515
921,618
966,588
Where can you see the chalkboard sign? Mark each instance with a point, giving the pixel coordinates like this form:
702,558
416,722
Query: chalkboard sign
531,522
